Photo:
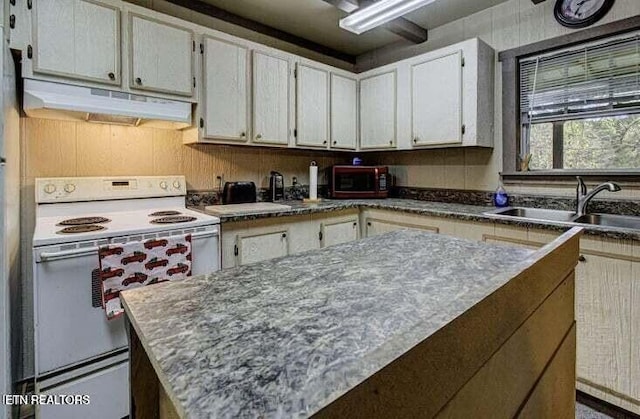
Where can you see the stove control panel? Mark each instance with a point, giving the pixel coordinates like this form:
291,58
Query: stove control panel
49,190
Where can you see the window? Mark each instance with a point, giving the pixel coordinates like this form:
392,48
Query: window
580,108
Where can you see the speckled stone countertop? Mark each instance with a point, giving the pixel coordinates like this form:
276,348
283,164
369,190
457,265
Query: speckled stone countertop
436,209
285,337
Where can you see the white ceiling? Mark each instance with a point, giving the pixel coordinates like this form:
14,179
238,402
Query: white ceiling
317,21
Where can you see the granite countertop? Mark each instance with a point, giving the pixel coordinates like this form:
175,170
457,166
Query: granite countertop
285,337
430,208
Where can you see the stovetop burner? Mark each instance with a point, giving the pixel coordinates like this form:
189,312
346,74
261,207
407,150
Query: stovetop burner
83,221
173,220
84,228
164,213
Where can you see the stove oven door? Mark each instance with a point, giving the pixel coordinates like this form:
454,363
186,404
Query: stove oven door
70,323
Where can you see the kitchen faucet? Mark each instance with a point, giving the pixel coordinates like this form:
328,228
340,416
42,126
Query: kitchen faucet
583,198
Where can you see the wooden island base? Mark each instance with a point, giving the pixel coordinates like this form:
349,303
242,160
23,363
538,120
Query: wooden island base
511,355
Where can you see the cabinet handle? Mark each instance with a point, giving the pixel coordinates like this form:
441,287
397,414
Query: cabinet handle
112,76
581,258
138,80
242,134
415,140
355,225
284,235
258,136
324,142
369,223
335,142
391,142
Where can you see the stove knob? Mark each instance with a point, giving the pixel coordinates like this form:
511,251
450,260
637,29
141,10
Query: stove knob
69,187
163,185
49,188
177,184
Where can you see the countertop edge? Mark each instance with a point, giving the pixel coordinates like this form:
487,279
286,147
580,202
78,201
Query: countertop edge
333,206
168,389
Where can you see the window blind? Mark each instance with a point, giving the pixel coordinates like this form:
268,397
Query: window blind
601,79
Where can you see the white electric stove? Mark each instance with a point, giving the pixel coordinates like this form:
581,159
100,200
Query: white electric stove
77,350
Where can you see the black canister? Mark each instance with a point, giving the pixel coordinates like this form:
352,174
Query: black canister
276,186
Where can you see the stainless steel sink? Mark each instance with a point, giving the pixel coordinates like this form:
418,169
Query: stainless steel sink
609,220
536,214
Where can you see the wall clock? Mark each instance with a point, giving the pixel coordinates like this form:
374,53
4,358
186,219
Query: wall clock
581,13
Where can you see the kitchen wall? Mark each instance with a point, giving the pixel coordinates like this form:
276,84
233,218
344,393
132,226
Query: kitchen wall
505,26
62,148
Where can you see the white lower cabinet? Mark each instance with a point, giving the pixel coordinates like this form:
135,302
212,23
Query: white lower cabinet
338,231
253,241
607,313
251,248
380,222
114,380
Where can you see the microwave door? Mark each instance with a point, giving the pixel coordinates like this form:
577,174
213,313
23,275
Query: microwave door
355,182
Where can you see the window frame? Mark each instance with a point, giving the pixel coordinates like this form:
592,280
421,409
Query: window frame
511,123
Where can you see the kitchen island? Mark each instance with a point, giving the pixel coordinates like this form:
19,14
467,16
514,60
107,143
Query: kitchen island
404,324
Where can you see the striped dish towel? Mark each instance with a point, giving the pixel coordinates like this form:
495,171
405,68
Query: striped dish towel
136,264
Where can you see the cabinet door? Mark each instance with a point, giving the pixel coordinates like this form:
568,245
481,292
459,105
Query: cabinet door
225,94
256,248
378,111
603,318
376,228
160,56
312,113
78,39
339,232
270,99
344,112
436,105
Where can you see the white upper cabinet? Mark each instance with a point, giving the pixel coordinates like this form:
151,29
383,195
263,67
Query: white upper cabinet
270,99
225,93
436,105
344,112
77,39
378,111
312,112
160,56
444,99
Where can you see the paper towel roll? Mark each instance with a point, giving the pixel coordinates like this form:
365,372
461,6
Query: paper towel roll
313,181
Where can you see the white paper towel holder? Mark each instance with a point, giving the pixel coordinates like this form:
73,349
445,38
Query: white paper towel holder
309,200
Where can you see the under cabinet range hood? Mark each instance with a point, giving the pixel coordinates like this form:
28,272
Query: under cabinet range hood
43,99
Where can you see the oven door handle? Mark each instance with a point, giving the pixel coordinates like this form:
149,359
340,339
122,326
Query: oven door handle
205,234
67,254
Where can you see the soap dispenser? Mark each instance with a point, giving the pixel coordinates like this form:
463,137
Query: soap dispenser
500,198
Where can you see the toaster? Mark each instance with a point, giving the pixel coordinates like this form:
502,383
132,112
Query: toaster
239,193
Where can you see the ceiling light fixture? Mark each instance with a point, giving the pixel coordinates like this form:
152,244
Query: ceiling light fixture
379,13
